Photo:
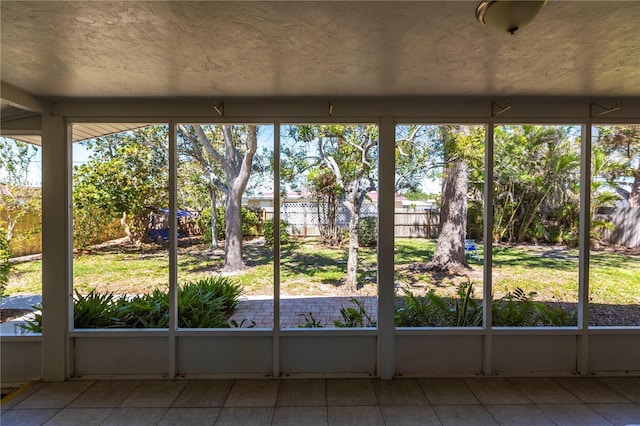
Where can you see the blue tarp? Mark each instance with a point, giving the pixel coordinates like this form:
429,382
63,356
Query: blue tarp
180,213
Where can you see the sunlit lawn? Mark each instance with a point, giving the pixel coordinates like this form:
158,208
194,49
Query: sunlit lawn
308,268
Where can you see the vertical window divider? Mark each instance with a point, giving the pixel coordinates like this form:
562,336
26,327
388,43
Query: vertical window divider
173,250
276,249
488,250
584,236
385,252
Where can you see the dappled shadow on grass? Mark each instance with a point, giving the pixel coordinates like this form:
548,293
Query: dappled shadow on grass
605,259
551,257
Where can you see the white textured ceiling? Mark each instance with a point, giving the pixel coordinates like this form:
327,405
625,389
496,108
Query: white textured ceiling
86,49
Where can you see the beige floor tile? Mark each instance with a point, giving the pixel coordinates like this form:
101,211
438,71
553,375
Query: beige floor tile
204,393
79,417
245,416
399,392
543,391
519,415
189,416
252,393
355,416
137,416
297,416
475,415
408,415
105,394
26,417
573,415
55,395
154,393
495,391
20,395
302,393
627,386
592,391
350,392
447,392
619,414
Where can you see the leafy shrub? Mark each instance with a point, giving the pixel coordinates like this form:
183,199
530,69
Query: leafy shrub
417,311
207,303
251,223
432,310
356,316
515,309
96,310
368,232
309,321
5,266
268,232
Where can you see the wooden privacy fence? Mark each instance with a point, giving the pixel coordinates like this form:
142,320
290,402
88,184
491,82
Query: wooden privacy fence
408,223
627,226
27,238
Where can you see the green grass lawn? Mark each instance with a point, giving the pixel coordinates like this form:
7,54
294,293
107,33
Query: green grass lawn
308,268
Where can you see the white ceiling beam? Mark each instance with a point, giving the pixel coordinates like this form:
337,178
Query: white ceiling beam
441,109
24,100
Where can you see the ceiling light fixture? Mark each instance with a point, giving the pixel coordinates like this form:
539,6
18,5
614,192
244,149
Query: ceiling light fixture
507,15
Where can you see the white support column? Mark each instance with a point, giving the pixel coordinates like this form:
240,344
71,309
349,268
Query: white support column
488,252
173,251
584,244
57,315
276,250
386,212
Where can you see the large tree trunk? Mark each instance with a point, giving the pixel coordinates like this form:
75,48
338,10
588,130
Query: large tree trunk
237,168
449,253
233,261
214,217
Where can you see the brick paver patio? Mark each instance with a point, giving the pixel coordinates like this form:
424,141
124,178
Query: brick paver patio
292,310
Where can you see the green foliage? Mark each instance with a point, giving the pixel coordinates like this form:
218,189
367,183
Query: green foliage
5,266
355,316
34,326
268,232
207,303
97,310
368,232
126,173
417,311
536,184
515,309
249,323
433,310
309,321
518,309
251,223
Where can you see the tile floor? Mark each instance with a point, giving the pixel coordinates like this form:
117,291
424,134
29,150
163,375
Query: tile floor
473,401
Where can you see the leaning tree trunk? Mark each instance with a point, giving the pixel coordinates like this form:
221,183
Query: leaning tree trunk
352,260
449,253
634,196
233,261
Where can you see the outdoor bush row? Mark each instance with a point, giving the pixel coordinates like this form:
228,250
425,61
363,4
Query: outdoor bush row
515,309
207,303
